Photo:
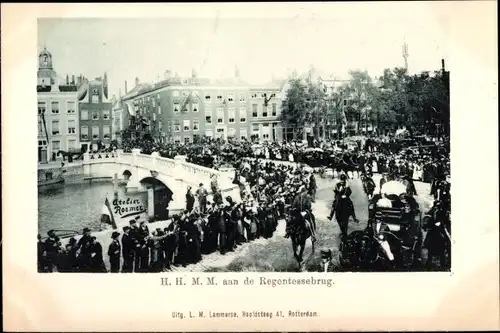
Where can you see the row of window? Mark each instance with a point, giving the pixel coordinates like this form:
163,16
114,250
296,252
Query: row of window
56,145
96,114
54,107
207,97
96,134
56,130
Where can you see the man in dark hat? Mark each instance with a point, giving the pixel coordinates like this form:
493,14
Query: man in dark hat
114,253
143,230
189,199
96,258
128,251
202,193
135,234
51,250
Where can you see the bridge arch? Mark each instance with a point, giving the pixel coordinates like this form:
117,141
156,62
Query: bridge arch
126,174
159,196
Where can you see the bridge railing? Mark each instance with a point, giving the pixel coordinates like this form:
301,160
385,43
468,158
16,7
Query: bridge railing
92,158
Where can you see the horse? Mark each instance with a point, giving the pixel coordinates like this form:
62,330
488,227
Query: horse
299,231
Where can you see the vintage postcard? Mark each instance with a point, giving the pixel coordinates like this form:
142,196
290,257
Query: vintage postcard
229,167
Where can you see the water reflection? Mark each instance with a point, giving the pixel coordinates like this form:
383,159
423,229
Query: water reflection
74,207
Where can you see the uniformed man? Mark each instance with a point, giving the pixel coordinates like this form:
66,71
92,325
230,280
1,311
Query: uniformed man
189,199
96,258
135,235
202,193
128,251
343,192
114,253
302,204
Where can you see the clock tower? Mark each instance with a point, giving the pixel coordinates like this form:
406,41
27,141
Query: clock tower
46,74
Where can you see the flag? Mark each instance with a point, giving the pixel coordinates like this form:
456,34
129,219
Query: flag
107,214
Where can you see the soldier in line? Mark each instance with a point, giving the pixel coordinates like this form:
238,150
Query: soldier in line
114,253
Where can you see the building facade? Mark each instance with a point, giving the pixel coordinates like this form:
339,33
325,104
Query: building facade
57,111
95,124
182,110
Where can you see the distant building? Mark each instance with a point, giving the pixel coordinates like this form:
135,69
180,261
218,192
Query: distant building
95,113
57,111
184,109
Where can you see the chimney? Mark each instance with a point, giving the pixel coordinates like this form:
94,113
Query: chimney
442,65
73,79
136,81
126,87
105,84
67,79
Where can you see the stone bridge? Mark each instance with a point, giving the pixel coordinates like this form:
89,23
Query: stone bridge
143,172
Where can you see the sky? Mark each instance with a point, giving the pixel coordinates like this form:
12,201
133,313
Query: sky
126,48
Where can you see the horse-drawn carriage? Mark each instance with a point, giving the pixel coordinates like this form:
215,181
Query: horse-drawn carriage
393,238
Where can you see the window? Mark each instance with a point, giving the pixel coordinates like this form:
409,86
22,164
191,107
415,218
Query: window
42,108
185,106
220,115
177,139
186,124
196,125
274,110
255,127
158,96
70,106
230,97
84,115
71,126
265,136
95,115
177,125
95,132
254,111
231,115
159,109
209,133
264,111
105,114
56,145
195,107
106,130
243,133
219,97
220,130
175,93
231,132
196,137
255,95
208,98
84,133
242,97
54,106
208,115
177,107
154,103
345,102
187,139
160,128
95,97
55,127
265,125
71,144
243,115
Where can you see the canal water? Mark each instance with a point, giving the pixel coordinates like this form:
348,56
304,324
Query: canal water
74,207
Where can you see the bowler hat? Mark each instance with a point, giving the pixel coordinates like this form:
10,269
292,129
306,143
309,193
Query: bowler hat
132,221
86,229
126,228
115,234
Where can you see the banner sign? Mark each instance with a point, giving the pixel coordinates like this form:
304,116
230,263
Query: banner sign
129,208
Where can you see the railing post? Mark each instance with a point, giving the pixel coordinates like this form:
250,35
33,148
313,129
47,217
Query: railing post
154,156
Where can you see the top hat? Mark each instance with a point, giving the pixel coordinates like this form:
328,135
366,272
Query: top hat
86,229
115,234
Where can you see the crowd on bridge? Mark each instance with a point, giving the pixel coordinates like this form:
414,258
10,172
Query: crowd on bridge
269,185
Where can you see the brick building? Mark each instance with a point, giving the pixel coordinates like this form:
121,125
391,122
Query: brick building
95,113
180,110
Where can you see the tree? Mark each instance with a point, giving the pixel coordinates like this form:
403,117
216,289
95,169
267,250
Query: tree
293,107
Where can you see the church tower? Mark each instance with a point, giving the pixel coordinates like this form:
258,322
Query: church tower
46,74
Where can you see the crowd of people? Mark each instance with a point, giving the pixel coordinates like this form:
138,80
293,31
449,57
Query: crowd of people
220,224
268,190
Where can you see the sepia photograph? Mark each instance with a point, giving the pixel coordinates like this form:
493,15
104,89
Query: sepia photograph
235,154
